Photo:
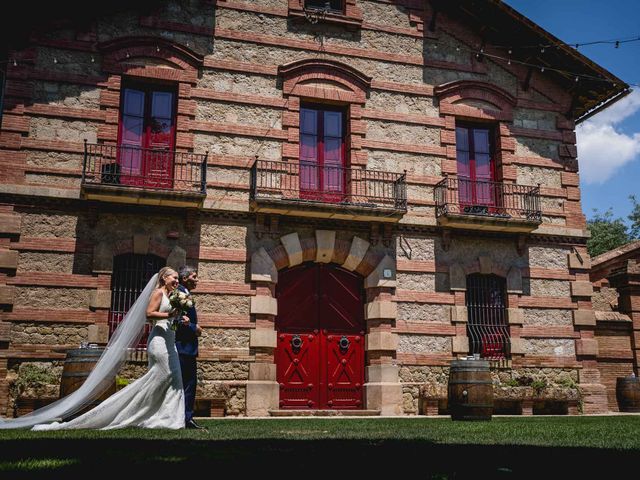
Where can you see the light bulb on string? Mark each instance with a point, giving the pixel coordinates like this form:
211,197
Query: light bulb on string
15,64
541,69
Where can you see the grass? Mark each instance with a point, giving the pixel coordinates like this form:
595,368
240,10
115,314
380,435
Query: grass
445,449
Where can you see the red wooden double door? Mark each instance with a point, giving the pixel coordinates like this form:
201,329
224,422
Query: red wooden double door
320,324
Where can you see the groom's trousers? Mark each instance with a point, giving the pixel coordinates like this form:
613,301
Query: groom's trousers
189,376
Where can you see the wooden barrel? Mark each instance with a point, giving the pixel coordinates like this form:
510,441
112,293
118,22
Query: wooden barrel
77,366
470,390
628,394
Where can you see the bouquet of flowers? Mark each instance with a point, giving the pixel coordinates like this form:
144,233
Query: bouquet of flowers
181,302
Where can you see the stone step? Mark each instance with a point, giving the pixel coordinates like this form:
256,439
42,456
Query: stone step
324,413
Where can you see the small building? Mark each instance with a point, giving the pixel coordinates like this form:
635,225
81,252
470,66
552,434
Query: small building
616,303
369,189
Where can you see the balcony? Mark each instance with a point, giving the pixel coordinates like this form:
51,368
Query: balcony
306,189
485,205
146,176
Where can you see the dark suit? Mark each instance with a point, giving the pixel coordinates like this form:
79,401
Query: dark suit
187,346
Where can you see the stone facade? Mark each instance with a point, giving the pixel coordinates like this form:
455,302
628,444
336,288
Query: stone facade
241,74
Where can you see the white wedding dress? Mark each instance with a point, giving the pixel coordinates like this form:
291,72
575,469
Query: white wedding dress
156,400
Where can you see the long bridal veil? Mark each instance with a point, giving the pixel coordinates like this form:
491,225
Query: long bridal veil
101,377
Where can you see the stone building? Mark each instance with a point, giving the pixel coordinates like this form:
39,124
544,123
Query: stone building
368,188
616,304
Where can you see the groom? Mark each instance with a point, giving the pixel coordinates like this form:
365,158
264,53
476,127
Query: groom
187,346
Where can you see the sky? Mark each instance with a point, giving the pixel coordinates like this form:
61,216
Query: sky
609,142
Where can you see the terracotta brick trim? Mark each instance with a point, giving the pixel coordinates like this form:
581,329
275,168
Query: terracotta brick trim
119,51
452,92
296,73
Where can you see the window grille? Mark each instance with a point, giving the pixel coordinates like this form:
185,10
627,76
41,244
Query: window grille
487,326
131,272
328,5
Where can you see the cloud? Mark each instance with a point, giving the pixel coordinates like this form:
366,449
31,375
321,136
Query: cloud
602,146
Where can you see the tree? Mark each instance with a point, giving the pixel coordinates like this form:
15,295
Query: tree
635,217
607,233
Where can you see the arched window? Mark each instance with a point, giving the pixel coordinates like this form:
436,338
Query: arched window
131,272
487,326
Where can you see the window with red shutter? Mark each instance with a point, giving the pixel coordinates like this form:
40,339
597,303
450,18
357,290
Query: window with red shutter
476,168
146,134
322,153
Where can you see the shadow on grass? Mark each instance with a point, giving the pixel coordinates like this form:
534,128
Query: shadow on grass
73,458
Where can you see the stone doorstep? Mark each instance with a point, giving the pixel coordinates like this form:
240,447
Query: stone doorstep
324,413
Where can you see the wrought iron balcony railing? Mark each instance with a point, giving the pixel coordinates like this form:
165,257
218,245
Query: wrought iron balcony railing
144,168
496,200
309,183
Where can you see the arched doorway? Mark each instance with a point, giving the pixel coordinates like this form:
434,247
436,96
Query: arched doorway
320,327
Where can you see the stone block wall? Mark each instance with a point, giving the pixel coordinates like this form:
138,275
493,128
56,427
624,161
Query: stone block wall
233,103
614,277
432,318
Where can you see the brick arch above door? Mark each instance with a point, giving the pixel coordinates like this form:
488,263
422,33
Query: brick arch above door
354,255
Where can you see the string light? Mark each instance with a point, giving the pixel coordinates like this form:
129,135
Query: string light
509,61
15,64
55,60
616,42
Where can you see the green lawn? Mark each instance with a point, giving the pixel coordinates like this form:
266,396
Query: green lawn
506,446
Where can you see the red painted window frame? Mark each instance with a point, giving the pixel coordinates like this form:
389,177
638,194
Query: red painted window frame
472,178
321,194
148,87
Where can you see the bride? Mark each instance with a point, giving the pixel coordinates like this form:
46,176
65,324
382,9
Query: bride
155,400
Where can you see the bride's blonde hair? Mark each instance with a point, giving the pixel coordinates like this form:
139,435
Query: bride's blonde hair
164,271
